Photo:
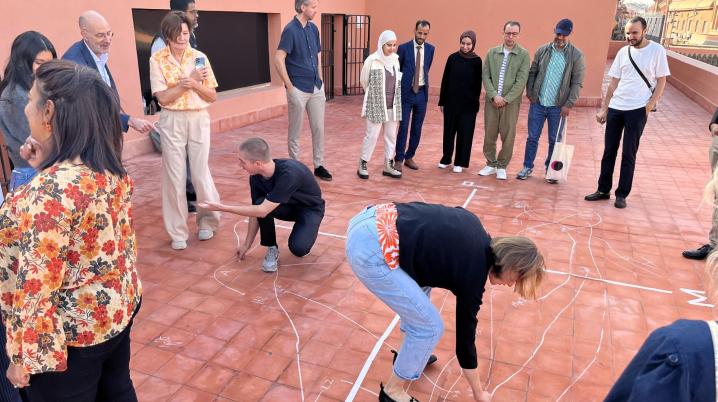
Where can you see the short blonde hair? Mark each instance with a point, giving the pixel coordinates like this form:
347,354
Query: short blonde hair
519,254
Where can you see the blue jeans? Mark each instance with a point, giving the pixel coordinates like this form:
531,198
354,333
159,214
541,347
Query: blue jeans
420,320
414,105
21,176
537,116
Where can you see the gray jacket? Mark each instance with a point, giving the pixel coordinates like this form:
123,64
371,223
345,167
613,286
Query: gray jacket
13,123
572,76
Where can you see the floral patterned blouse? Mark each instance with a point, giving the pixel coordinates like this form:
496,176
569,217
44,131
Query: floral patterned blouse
166,72
386,215
67,264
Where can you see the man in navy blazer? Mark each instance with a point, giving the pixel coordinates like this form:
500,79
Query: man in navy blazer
414,93
93,51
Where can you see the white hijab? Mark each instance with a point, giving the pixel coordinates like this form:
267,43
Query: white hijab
387,61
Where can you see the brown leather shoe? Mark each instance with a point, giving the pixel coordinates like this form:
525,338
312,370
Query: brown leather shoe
398,165
411,164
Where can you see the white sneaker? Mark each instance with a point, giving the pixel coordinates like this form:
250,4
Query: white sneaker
442,166
501,174
271,259
457,169
179,245
487,170
205,234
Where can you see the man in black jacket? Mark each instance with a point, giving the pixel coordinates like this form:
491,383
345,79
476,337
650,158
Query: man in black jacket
702,252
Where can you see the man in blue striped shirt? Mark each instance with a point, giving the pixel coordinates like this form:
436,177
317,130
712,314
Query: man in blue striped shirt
555,79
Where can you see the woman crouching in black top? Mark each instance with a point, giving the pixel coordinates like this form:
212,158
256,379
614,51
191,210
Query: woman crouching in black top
401,251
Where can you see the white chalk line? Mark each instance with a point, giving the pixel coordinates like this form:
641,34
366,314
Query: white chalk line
296,334
603,319
362,388
611,282
370,359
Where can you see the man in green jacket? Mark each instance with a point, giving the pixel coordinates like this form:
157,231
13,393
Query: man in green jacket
555,79
506,69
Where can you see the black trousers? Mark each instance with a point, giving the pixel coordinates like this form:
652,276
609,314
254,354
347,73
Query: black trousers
458,126
630,123
94,373
304,233
7,392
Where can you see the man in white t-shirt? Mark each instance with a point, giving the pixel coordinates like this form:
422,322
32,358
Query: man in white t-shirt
626,106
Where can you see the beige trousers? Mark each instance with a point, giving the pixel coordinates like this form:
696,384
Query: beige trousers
298,102
713,157
372,132
185,136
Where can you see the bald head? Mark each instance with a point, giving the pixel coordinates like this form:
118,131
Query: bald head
95,31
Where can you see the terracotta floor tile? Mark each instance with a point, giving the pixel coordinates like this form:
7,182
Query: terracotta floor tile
267,365
189,394
150,359
212,378
179,369
156,389
246,387
223,328
222,314
203,347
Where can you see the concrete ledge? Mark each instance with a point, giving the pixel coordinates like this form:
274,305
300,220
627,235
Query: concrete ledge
697,80
136,144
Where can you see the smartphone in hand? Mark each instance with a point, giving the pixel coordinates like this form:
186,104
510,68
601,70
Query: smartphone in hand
199,62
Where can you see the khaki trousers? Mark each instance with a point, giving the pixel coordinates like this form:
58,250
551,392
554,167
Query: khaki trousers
372,132
297,102
185,136
713,157
500,121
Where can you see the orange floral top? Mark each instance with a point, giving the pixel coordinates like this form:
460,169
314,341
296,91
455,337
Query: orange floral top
165,72
388,235
67,264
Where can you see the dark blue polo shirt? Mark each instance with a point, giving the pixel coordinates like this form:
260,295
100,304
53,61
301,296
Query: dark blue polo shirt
302,46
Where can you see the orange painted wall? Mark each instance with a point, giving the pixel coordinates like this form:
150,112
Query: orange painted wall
592,20
58,21
698,80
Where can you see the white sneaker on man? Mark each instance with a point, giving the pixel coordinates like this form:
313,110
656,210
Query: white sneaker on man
442,166
457,169
205,234
487,171
271,259
501,174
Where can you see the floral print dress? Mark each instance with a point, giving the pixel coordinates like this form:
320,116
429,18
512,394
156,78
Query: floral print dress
67,264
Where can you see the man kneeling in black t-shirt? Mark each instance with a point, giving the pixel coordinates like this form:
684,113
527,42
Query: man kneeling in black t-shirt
281,188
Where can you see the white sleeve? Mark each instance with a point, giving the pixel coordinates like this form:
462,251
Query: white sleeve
615,70
662,64
158,45
365,70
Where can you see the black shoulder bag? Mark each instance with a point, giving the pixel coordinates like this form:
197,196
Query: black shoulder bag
641,74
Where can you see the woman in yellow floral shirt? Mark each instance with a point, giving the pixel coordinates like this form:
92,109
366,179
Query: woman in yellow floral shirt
183,82
68,285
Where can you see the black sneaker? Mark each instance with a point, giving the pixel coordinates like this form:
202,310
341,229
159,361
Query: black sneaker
698,254
323,173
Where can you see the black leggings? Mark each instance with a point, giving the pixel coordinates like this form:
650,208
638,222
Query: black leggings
94,373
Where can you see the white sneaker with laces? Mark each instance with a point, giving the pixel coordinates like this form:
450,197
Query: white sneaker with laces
442,166
487,170
457,169
501,174
271,259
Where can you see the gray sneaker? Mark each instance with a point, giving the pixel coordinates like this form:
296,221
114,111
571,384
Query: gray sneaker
271,259
524,173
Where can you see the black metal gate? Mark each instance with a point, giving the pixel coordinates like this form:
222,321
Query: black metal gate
356,50
328,54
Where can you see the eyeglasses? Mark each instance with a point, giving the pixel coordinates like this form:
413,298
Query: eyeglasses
511,33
